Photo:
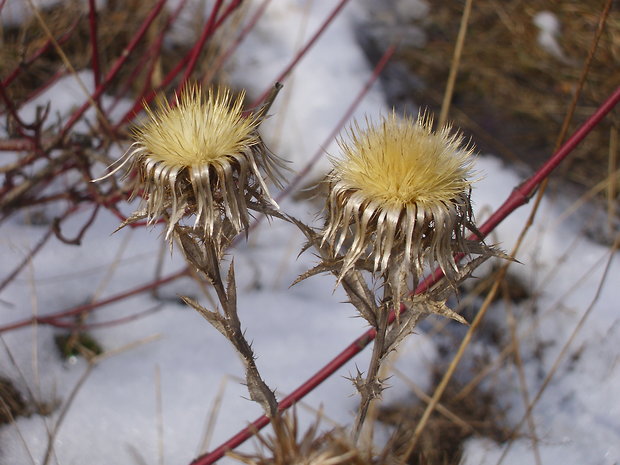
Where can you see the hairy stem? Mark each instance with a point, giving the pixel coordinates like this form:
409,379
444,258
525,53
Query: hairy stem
371,388
206,259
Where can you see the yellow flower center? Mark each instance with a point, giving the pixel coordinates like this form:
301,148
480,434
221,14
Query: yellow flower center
197,130
402,162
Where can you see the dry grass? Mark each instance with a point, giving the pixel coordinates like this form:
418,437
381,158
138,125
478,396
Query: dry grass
116,24
459,418
511,94
12,403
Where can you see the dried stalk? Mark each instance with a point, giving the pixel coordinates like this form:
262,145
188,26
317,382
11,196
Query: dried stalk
205,257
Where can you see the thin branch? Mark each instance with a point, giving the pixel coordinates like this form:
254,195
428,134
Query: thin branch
560,358
43,49
52,317
527,189
222,58
207,32
301,174
80,326
30,255
94,100
385,58
454,66
154,55
159,409
518,361
299,55
116,67
146,98
63,413
77,240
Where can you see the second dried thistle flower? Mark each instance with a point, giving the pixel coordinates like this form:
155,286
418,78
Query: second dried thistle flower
400,195
203,157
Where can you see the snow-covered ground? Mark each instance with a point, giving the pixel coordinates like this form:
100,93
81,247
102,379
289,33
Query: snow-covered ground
173,353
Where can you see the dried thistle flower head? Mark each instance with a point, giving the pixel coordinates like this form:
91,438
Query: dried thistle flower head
203,157
400,195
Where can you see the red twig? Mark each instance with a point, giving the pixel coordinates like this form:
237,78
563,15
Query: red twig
518,198
104,324
231,49
33,252
77,240
17,145
10,106
302,52
116,67
46,85
48,44
152,54
52,317
207,32
306,169
148,97
347,115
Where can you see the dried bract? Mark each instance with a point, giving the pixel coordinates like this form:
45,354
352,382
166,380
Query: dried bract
202,157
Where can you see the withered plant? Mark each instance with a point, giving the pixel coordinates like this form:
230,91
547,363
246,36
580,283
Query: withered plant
398,203
202,158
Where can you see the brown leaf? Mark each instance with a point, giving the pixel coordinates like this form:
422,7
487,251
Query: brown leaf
260,392
136,216
440,308
215,319
231,287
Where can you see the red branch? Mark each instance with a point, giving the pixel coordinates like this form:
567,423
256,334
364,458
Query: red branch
148,97
347,115
306,169
302,52
48,44
518,198
116,67
76,326
53,317
32,253
153,54
217,64
207,32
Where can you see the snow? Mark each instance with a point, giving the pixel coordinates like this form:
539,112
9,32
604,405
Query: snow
16,12
549,31
113,418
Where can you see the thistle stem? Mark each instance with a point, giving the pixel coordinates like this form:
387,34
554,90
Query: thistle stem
371,388
228,323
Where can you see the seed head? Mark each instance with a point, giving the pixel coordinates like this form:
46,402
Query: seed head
399,195
203,157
